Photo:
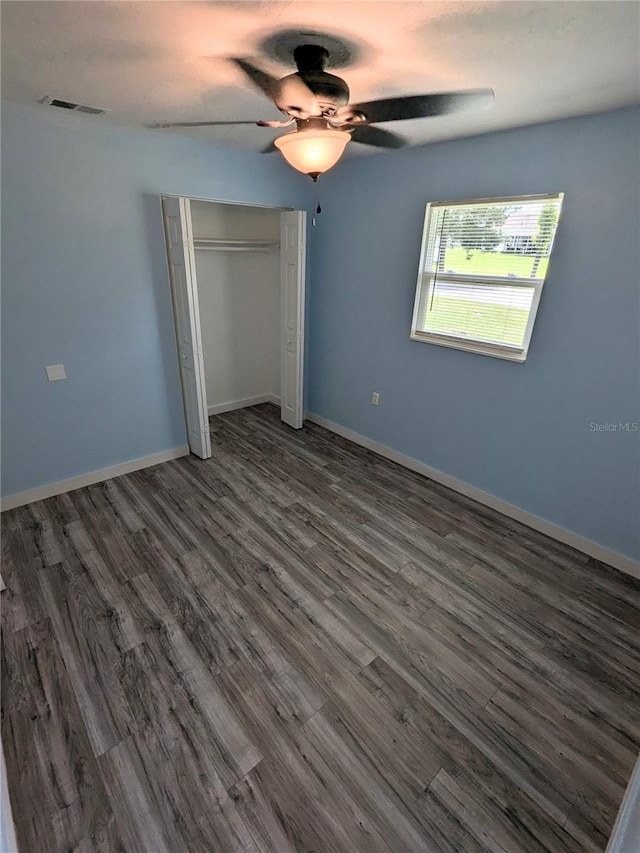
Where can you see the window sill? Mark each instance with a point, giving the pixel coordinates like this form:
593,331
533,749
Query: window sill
507,353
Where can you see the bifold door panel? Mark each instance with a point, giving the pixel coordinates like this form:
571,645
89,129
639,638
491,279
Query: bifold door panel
184,294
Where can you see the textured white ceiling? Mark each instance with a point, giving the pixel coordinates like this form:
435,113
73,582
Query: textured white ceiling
165,61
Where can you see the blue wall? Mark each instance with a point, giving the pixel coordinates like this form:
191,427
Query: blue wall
84,283
518,431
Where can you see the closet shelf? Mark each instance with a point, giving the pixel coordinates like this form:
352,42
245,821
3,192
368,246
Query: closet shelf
218,245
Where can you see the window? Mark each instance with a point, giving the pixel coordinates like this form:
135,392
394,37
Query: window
482,268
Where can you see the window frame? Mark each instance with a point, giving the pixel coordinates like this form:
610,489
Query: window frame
509,352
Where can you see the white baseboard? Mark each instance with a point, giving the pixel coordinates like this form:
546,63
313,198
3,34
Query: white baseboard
580,543
219,408
51,489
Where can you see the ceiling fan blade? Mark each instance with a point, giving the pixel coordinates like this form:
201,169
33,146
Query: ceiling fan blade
296,98
368,135
269,149
423,106
201,123
286,123
290,94
268,85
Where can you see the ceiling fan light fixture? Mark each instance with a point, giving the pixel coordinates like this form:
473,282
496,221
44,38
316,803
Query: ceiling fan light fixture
313,152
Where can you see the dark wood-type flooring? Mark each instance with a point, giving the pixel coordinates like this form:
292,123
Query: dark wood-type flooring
299,646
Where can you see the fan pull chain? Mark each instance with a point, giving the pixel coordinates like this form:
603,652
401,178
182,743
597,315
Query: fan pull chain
316,205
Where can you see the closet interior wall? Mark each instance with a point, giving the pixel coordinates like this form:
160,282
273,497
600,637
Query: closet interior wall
238,273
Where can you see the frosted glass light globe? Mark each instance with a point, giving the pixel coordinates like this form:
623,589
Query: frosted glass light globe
312,152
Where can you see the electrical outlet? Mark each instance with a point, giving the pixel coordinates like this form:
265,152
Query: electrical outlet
375,398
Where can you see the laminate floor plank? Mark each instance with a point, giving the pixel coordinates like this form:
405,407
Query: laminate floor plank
403,826
263,520
495,788
139,820
389,630
537,682
601,577
565,613
301,796
263,815
515,555
223,632
529,771
347,536
101,530
298,646
255,479
389,510
573,752
463,596
274,553
202,610
23,603
583,803
96,515
324,665
471,811
63,801
211,488
116,551
189,675
348,571
612,607
21,539
357,564
166,526
44,534
500,660
89,634
106,501
309,644
179,773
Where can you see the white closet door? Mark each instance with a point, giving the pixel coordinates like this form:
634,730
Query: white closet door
292,252
184,293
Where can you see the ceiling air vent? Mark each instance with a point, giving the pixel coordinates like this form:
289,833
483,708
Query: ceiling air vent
69,105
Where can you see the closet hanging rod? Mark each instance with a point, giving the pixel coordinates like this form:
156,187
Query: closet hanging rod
235,245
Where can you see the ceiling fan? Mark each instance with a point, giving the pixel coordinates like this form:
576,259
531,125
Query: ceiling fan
318,104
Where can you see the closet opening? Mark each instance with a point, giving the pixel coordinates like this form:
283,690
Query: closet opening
237,278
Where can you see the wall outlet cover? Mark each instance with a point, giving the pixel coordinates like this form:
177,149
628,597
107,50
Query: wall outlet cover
55,372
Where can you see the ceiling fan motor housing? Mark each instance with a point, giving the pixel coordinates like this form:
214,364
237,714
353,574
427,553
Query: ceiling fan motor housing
329,90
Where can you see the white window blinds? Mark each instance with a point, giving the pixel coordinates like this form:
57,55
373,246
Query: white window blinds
481,273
